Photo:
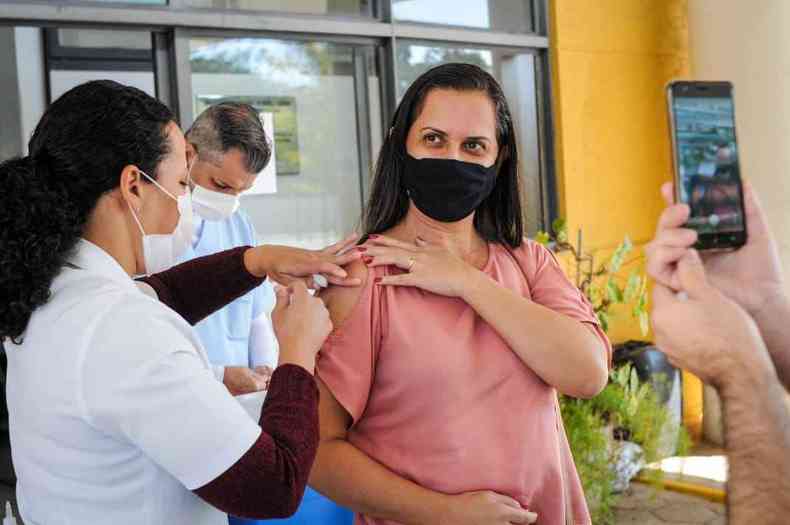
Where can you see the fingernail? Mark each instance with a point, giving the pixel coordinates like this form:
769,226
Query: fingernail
373,236
361,249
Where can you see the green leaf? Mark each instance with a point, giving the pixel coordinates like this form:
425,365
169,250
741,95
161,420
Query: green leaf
542,238
642,298
559,226
614,292
603,317
616,261
623,374
644,322
633,286
560,229
634,380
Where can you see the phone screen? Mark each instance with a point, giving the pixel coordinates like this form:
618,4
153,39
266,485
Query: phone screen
707,163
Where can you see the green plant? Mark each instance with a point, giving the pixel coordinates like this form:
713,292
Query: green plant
627,409
634,409
591,448
603,285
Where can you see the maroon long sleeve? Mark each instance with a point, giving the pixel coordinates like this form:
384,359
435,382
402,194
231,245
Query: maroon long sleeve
198,288
270,479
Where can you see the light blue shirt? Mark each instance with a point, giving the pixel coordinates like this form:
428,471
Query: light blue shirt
226,333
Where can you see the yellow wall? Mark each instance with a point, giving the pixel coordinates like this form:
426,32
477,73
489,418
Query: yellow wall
758,67
611,60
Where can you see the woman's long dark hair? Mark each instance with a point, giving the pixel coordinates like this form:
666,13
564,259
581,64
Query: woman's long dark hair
499,217
77,154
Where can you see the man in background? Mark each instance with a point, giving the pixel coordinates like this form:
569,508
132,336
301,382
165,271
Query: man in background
227,149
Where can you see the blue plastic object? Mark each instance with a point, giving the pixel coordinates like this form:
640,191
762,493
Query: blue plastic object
314,510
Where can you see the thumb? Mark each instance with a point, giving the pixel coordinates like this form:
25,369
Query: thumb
259,381
283,296
691,274
298,292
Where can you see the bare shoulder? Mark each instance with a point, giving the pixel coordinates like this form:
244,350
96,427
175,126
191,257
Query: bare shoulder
341,300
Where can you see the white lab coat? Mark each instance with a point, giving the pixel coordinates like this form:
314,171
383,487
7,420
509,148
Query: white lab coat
114,413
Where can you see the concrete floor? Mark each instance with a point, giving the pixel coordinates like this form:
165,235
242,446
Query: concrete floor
645,505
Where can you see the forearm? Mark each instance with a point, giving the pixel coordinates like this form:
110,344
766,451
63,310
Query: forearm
773,319
757,427
270,479
348,476
562,351
197,288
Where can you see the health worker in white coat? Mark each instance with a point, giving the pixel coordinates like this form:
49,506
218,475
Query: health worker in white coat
115,415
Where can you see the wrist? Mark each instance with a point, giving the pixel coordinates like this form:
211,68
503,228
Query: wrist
472,282
294,355
774,305
256,261
435,511
752,372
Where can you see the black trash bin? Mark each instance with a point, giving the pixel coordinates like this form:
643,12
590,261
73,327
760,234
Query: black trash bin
650,364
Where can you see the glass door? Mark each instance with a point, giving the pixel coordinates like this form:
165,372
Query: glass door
317,99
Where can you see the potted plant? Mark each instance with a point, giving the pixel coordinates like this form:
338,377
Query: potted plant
613,435
603,285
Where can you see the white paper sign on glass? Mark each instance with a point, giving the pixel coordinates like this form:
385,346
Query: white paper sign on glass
266,182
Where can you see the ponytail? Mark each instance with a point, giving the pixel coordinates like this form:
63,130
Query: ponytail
79,149
38,230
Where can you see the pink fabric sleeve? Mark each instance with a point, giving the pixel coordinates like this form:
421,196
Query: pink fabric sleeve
550,287
347,360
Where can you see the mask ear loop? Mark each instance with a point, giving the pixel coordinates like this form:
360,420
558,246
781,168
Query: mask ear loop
189,173
158,185
136,219
134,214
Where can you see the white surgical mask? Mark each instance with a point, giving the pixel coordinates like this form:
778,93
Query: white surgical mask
161,251
213,205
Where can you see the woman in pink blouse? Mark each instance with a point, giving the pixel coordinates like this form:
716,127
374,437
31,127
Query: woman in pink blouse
439,385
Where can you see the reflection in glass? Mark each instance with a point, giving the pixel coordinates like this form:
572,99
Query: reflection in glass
308,87
416,59
151,2
80,55
312,7
509,16
105,38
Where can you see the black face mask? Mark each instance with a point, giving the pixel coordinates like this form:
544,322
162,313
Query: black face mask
447,190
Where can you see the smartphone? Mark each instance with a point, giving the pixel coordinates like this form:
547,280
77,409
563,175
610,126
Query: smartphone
706,163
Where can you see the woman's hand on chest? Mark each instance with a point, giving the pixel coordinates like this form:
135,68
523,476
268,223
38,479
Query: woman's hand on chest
430,267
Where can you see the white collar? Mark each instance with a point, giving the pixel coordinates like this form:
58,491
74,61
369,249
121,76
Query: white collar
197,232
92,258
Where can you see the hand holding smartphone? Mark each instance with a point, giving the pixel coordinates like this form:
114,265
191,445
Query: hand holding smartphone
706,163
